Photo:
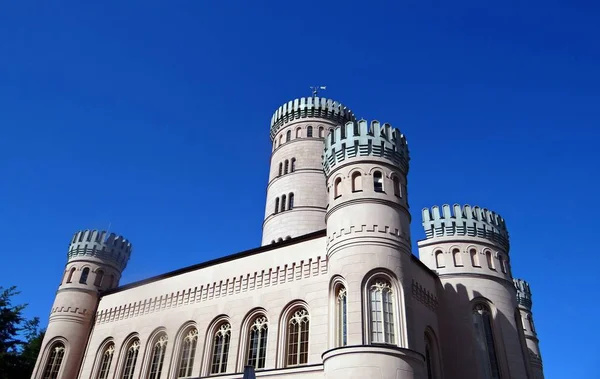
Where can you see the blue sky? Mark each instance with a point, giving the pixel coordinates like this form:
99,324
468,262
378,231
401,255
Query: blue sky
154,118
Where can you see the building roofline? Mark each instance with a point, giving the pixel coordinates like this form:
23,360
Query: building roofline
227,258
423,266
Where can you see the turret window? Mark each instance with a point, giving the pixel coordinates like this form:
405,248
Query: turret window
187,353
321,130
131,359
474,258
55,358
490,260
298,132
276,205
297,338
288,136
356,182
309,131
84,276
396,186
439,259
220,349
337,188
280,168
70,276
456,255
341,316
99,277
291,201
106,360
382,312
158,357
283,200
293,167
378,181
485,345
286,166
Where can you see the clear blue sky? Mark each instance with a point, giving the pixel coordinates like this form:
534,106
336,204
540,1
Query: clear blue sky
154,117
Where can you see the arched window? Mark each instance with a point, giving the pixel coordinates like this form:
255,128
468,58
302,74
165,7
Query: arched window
257,343
220,349
297,338
280,168
382,312
321,132
298,132
286,166
70,276
396,186
502,263
490,260
158,357
457,257
341,311
293,168
439,259
186,355
283,199
356,182
131,359
474,258
84,276
106,361
431,357
309,131
291,201
99,277
378,181
55,358
484,342
337,188
280,140
530,322
288,136
276,205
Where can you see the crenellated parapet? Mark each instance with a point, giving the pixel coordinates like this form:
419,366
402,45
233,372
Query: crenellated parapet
523,293
465,221
310,107
361,139
102,245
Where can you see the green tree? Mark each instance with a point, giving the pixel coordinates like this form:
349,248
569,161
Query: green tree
20,339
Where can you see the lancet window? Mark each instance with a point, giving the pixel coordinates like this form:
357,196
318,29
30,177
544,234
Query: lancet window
158,357
187,353
105,361
341,312
382,312
220,349
484,342
55,358
131,359
257,343
297,338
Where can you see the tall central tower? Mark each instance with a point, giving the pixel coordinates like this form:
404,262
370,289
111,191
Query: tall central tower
296,193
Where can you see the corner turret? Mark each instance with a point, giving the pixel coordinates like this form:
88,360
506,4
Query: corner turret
95,262
528,327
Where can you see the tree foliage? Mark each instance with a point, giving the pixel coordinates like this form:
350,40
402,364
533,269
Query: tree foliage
20,339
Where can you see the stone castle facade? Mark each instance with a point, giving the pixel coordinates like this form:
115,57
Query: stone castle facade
333,292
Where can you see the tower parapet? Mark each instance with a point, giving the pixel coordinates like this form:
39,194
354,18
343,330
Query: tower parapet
465,221
309,107
523,293
532,343
359,139
102,245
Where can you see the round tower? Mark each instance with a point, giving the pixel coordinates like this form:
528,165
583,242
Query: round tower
95,261
531,339
468,247
369,253
296,198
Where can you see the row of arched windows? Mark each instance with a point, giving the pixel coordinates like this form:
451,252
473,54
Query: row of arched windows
457,259
287,166
99,280
357,184
286,201
311,132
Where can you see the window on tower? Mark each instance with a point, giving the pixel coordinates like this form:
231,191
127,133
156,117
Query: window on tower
484,337
99,277
277,205
381,302
309,131
293,167
356,182
84,276
337,188
280,168
286,166
396,186
291,201
70,276
321,130
55,358
283,200
288,136
378,181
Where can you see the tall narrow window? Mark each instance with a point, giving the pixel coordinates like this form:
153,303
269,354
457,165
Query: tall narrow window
293,167
490,260
99,277
474,258
84,276
280,140
484,341
220,349
341,313
356,182
158,357
280,168
309,131
70,276
457,257
502,263
382,312
298,133
283,199
106,361
378,181
55,358
321,130
188,350
297,338
288,136
428,364
396,186
286,166
337,188
277,205
257,343
439,259
131,359
291,201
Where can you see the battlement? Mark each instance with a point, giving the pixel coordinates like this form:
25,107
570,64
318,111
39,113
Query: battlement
306,107
523,293
358,138
100,244
465,221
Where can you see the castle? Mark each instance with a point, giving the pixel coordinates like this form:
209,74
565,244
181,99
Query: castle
333,292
